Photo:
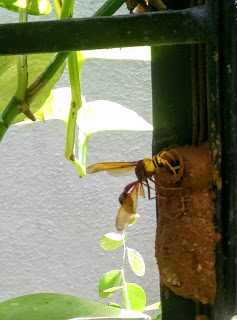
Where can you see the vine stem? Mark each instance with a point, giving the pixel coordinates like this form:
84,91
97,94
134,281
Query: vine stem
75,65
123,276
57,6
22,72
76,103
45,76
67,9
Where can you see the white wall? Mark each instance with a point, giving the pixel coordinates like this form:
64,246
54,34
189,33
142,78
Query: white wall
52,221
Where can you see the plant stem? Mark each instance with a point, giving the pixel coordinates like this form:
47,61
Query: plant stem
13,108
109,8
123,276
74,65
82,148
8,116
57,6
79,168
67,9
22,75
76,103
46,76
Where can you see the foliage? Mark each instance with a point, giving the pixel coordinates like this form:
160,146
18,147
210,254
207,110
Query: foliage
35,7
26,93
92,117
8,81
52,306
134,296
34,99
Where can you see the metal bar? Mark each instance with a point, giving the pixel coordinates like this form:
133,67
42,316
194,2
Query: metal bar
165,27
215,144
228,102
172,124
222,97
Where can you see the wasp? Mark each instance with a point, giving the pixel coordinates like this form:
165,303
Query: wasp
145,170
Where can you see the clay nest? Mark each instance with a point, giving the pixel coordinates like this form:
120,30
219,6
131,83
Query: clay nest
186,237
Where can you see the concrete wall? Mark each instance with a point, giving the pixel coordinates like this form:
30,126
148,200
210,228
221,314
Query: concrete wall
52,221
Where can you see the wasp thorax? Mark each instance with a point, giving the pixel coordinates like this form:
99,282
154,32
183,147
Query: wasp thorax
144,169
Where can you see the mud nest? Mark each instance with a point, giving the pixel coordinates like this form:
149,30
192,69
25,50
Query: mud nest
186,237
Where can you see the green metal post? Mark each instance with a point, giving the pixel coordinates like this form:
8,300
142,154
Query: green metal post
187,111
228,104
172,121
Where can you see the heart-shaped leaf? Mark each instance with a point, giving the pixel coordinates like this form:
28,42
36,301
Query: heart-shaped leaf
136,262
136,297
104,115
111,241
109,280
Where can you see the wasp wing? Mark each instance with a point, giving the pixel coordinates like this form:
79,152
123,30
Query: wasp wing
142,193
128,209
113,168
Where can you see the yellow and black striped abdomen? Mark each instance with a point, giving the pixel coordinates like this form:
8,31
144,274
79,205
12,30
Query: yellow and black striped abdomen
157,160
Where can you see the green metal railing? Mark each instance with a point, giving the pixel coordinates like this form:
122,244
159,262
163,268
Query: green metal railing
194,99
185,26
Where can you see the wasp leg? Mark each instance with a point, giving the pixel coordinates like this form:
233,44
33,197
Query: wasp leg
166,162
149,188
168,154
170,166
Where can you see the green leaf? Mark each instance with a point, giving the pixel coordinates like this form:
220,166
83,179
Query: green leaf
109,280
112,304
104,115
136,262
8,80
159,317
52,306
35,7
57,105
129,53
136,297
113,289
135,218
92,117
111,241
153,306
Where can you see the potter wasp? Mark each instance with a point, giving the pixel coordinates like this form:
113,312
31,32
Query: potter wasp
145,170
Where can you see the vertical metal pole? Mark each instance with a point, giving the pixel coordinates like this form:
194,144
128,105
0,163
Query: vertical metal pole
173,124
222,104
215,145
228,102
172,121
